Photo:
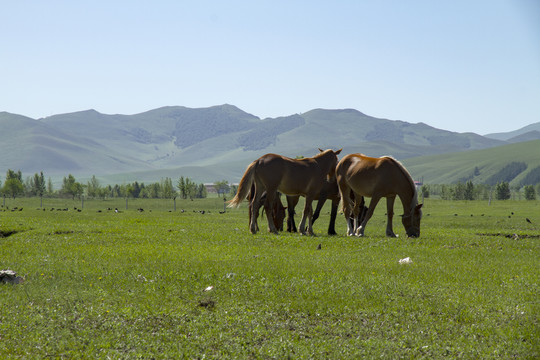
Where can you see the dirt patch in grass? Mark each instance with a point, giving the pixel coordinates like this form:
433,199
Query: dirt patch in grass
7,233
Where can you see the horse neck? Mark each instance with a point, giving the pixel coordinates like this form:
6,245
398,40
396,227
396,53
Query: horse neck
407,191
408,199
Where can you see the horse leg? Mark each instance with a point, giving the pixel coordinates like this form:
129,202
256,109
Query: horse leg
254,213
356,210
345,198
292,201
372,204
307,215
363,211
269,207
390,213
322,199
333,215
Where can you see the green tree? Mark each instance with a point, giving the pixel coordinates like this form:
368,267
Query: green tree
191,188
137,189
446,192
424,190
153,190
187,188
182,187
502,191
71,187
167,189
50,187
469,193
93,187
222,187
13,185
201,191
459,191
39,184
530,193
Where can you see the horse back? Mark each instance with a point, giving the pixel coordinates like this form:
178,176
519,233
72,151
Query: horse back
367,175
290,176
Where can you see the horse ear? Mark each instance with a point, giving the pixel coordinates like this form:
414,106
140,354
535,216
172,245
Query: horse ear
419,206
337,152
321,150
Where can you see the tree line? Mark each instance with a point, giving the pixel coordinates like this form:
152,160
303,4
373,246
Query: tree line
184,188
471,191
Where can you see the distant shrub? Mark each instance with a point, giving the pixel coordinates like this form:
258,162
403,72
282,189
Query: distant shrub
502,191
530,193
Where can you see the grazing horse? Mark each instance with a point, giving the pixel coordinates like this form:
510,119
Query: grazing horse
274,173
377,178
278,210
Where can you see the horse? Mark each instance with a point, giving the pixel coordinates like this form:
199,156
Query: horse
377,178
272,172
330,191
278,210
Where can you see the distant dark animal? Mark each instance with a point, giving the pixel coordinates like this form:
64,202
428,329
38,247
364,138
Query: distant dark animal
377,178
273,173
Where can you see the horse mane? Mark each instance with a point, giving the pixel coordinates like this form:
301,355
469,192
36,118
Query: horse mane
407,176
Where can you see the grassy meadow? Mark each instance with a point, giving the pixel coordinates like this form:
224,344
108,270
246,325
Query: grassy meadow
181,284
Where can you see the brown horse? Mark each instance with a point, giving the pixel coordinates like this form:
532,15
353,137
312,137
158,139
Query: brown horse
377,178
278,210
274,173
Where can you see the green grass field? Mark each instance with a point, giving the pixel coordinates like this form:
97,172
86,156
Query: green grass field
132,284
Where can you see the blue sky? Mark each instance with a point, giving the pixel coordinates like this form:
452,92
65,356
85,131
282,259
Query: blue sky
459,65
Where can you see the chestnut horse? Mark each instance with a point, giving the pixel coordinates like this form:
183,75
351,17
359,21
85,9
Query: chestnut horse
272,172
278,210
377,178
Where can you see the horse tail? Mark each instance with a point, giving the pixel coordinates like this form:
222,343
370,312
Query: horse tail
244,187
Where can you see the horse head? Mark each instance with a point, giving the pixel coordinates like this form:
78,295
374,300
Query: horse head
279,214
411,221
332,156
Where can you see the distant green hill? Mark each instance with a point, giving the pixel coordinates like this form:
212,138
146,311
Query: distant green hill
207,144
479,166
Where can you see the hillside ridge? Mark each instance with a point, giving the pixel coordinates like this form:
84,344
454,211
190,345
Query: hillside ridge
220,138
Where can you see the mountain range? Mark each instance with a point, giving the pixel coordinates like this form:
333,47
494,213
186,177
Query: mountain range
214,143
